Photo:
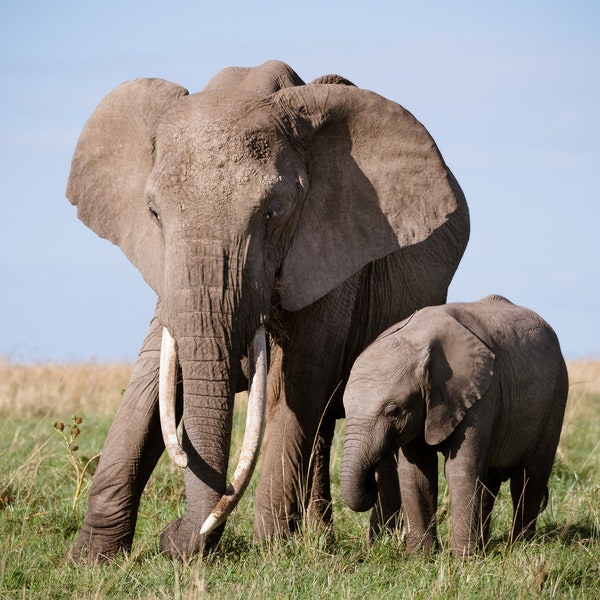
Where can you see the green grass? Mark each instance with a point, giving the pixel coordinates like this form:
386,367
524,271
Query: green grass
38,524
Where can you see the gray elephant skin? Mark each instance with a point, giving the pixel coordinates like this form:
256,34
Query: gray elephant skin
485,384
322,211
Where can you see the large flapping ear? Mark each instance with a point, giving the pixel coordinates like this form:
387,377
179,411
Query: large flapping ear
377,183
112,161
459,373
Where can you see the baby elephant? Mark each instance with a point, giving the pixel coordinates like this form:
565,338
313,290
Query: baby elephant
485,384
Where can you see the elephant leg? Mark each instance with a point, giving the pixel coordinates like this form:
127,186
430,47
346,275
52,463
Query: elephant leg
465,492
418,474
529,492
304,391
283,484
489,492
385,515
319,503
292,444
132,448
529,484
466,470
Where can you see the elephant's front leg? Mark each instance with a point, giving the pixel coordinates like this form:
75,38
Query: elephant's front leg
132,448
418,474
319,501
385,515
466,474
291,449
304,384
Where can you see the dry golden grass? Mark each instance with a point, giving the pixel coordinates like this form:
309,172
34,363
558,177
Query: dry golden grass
584,390
584,375
30,390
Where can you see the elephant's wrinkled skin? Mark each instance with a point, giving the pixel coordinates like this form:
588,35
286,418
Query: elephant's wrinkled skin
484,383
322,210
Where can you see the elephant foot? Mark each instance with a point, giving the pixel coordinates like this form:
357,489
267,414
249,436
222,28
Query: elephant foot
426,542
381,524
181,541
95,548
427,545
320,512
271,528
468,549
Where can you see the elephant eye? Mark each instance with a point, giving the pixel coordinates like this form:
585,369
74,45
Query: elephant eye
153,212
392,410
273,210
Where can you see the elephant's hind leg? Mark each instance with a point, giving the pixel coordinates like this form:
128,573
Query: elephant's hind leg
529,492
529,482
527,498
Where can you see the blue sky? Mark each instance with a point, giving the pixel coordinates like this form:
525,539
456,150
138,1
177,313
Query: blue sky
510,91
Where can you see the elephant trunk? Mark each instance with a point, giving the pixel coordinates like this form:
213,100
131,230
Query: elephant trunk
205,322
207,417
254,422
358,484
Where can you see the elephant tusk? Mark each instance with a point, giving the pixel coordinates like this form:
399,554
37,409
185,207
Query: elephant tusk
166,400
255,420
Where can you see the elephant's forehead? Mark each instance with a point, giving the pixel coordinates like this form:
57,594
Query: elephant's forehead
215,155
215,124
386,362
208,141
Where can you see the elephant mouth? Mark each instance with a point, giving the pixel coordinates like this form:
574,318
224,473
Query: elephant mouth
255,420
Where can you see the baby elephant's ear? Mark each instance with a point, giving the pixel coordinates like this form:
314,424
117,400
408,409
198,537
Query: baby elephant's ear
460,371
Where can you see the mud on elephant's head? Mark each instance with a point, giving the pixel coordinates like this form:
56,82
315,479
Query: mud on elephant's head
256,185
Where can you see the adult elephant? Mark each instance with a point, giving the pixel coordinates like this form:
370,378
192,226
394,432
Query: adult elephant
323,212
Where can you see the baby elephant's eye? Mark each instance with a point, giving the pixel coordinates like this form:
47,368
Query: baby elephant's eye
392,410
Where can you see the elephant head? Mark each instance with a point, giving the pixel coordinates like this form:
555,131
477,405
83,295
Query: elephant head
418,378
254,191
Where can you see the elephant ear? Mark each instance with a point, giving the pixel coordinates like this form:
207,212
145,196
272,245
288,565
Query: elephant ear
112,161
458,374
377,183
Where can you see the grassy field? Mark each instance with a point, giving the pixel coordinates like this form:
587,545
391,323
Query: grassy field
40,516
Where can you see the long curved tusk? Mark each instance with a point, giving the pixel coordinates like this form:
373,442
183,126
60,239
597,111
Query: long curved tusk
255,420
166,400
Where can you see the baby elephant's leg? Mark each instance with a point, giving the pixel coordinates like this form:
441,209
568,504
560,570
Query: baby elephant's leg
466,474
418,474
